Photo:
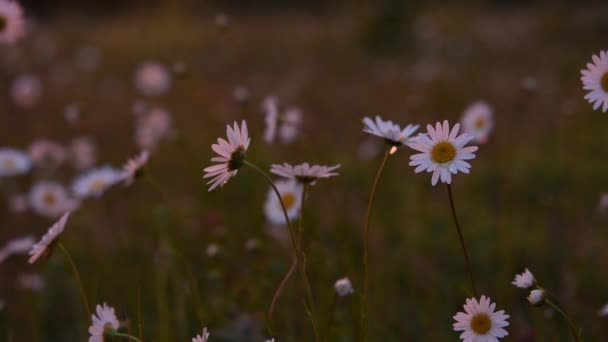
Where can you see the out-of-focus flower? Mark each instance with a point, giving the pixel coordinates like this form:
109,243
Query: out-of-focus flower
16,246
222,21
524,280
152,128
304,173
392,134
603,311
595,81
47,154
231,155
18,203
13,162
152,79
134,166
252,244
26,91
530,84
344,287
12,24
212,250
603,203
104,323
45,245
180,68
95,182
286,125
71,113
443,152
478,121
241,94
291,195
30,281
50,199
83,153
201,338
140,107
88,58
480,322
536,297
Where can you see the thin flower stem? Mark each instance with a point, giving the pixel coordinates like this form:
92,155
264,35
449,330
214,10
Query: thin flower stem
83,294
127,336
576,332
277,293
330,320
368,216
462,244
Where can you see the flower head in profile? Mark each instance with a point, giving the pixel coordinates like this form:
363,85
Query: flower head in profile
12,24
291,196
480,322
392,134
285,124
524,280
152,79
16,246
344,287
104,323
595,81
478,121
443,152
50,199
201,338
231,155
134,166
45,245
536,297
603,311
13,162
304,173
95,182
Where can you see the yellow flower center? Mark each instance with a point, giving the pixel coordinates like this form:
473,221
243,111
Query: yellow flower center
443,152
48,198
480,123
289,199
481,323
8,164
97,185
604,82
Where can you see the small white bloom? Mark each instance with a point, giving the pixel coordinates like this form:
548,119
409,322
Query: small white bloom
595,80
390,132
304,173
133,166
30,281
231,155
286,125
152,79
524,280
603,311
46,153
104,320
536,296
26,91
443,152
212,250
12,24
478,121
151,128
480,322
50,199
95,182
13,162
48,239
201,338
16,246
83,153
291,195
344,287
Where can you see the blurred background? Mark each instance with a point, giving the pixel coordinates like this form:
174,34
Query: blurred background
176,257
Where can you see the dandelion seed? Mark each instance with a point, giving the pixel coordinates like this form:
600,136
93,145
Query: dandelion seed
524,280
231,155
134,167
202,338
603,311
13,162
595,81
26,91
50,199
480,322
304,173
12,24
478,121
95,182
344,287
443,152
392,134
536,297
16,246
291,196
45,245
104,323
152,79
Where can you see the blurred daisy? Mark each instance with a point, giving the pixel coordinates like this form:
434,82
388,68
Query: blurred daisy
231,155
151,128
46,153
50,199
291,195
71,113
48,240
203,337
478,121
83,153
392,134
286,125
443,152
213,250
524,280
595,80
152,79
12,24
16,246
603,311
133,168
536,297
95,182
13,162
304,173
104,323
344,287
241,94
30,281
480,322
26,91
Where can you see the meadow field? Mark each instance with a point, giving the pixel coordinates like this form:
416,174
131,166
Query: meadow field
172,257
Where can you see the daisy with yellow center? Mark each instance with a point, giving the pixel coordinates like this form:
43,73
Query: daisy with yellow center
291,194
595,81
95,182
13,162
479,322
50,199
443,152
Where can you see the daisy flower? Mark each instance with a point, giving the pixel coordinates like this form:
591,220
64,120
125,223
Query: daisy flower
152,79
286,125
26,91
104,321
134,167
304,173
603,311
291,195
344,287
16,246
48,240
13,162
443,152
479,322
95,182
50,199
45,153
478,121
12,24
231,155
392,134
536,297
201,338
524,280
595,81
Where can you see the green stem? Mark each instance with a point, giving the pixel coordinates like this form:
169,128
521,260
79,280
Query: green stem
127,336
83,295
368,215
576,332
462,244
